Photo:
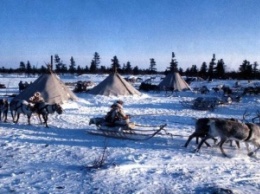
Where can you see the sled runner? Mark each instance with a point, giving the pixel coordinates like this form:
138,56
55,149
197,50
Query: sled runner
127,132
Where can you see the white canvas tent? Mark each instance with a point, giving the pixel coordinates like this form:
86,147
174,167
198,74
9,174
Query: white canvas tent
52,89
114,85
174,82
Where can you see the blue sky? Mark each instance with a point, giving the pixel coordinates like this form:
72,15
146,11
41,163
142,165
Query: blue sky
133,30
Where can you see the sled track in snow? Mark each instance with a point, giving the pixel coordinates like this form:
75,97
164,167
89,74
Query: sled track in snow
63,121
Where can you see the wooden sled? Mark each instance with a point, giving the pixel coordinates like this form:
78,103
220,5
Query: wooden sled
124,132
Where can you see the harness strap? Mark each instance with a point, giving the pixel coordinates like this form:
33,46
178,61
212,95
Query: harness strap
22,107
16,108
53,108
46,108
250,133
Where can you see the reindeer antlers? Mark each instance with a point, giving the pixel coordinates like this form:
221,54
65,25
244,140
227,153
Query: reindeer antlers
258,116
245,115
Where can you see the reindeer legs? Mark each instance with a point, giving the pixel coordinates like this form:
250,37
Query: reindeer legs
201,142
222,141
253,152
190,138
197,139
17,117
29,119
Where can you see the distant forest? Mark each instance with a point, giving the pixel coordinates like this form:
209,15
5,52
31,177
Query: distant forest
214,69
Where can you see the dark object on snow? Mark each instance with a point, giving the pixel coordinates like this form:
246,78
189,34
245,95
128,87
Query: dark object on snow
203,103
214,190
251,90
204,90
4,107
148,87
2,86
83,86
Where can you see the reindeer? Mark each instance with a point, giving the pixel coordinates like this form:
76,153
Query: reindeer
4,106
96,121
233,130
18,107
227,91
44,109
201,130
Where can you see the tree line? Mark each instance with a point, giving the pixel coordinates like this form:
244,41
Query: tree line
214,69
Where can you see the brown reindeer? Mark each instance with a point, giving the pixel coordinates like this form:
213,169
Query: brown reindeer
233,130
201,130
44,109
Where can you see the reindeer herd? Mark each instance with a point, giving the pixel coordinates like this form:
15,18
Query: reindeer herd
18,107
226,130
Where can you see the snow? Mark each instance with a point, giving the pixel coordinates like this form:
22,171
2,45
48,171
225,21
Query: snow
35,159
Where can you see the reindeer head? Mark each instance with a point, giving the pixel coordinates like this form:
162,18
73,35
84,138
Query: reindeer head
59,109
92,121
96,121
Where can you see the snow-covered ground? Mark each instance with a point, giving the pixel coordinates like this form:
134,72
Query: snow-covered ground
35,159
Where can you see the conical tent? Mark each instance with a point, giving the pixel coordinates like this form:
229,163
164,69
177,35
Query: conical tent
52,89
114,85
174,81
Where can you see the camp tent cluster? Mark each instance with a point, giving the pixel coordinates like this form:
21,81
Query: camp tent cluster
115,85
53,90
